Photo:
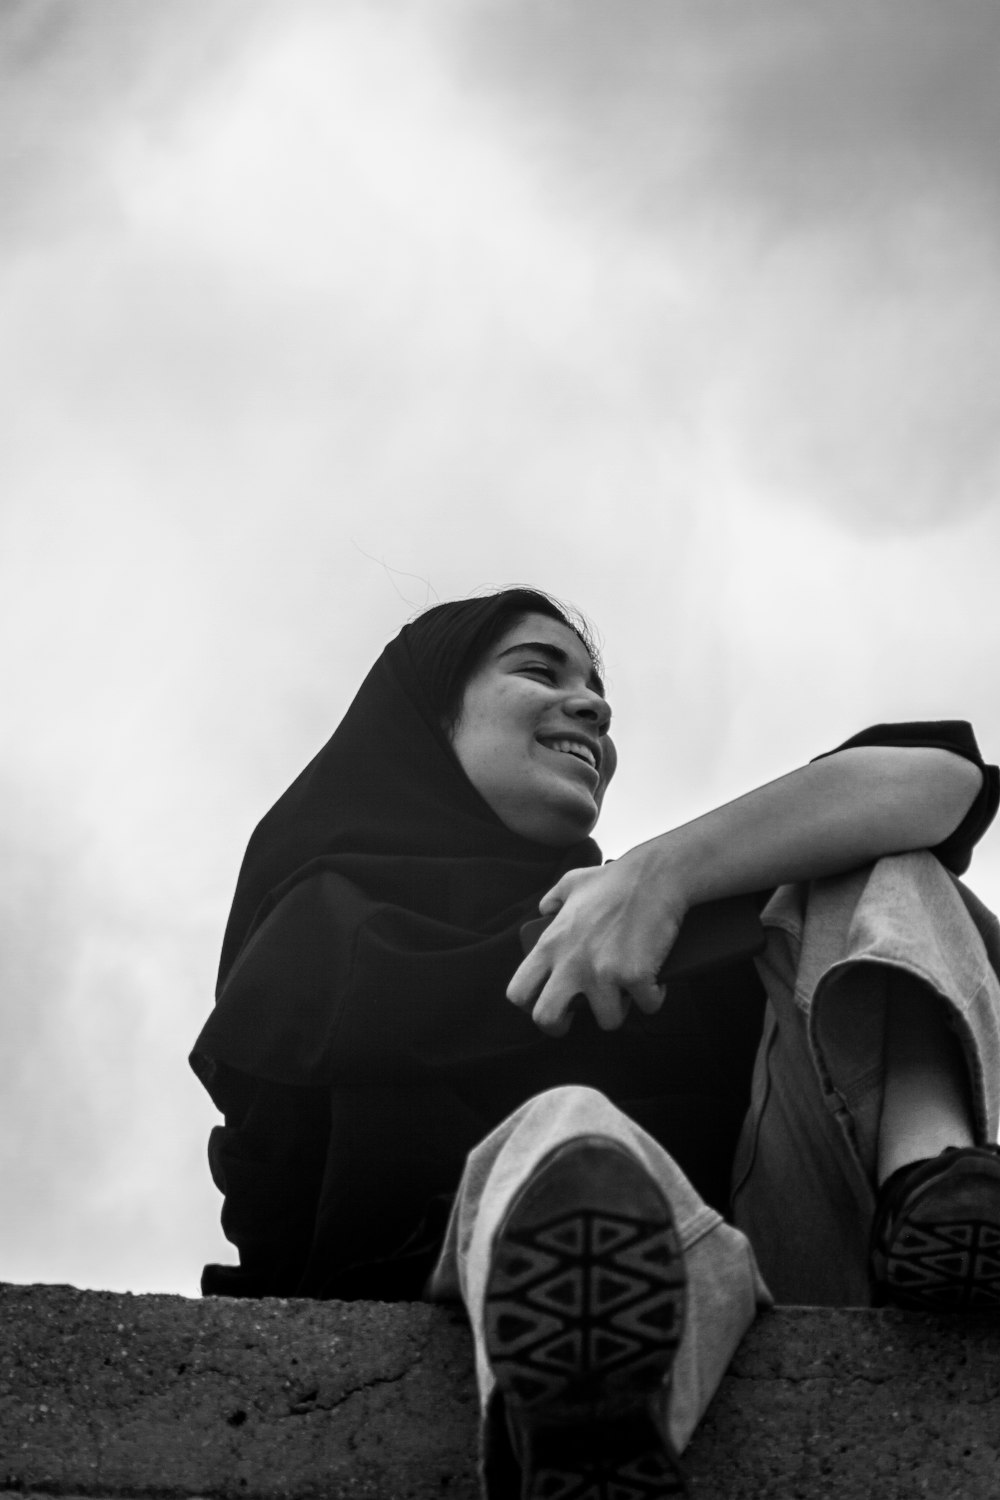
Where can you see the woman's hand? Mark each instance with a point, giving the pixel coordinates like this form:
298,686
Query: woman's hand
613,929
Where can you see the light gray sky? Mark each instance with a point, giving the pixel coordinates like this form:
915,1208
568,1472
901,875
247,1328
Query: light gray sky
313,313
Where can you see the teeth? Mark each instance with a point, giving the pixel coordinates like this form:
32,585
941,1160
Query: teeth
573,747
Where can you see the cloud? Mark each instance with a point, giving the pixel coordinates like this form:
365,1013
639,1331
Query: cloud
822,181
799,111
75,80
865,380
791,221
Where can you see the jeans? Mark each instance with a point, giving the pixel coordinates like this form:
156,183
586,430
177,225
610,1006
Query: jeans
804,1177
804,1173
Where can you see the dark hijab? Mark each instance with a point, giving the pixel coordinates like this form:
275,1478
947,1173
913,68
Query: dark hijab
375,921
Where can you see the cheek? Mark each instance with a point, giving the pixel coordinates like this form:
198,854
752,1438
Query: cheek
609,760
494,736
506,724
488,743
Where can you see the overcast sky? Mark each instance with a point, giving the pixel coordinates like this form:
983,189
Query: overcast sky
313,314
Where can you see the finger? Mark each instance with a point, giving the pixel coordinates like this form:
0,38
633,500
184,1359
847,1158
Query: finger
560,1028
528,980
554,1009
608,1003
648,994
556,898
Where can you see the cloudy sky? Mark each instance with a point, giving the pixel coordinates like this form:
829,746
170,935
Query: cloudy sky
315,313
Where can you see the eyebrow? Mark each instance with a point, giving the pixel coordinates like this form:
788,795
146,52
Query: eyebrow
555,654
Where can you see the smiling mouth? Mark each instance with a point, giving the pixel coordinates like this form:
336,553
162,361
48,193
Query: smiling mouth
575,748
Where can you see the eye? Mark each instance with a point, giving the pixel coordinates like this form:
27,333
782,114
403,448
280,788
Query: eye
537,669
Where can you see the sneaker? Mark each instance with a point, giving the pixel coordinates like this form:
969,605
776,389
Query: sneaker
584,1314
935,1243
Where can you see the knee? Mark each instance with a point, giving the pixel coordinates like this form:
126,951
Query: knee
573,1096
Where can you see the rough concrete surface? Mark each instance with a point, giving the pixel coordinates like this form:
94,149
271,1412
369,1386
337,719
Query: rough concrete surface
103,1395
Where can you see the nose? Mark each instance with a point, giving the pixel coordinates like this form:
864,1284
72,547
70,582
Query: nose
590,708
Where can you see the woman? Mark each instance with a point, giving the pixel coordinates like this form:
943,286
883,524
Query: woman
389,1111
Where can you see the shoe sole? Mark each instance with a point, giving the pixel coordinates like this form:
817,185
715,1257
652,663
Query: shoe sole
584,1314
942,1254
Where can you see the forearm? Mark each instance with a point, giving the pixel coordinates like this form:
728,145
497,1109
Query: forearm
616,924
837,813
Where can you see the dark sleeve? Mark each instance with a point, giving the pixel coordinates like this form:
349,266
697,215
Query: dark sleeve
956,735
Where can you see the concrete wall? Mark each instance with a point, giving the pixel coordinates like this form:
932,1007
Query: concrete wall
117,1396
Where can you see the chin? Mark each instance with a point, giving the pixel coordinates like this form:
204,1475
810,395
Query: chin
555,822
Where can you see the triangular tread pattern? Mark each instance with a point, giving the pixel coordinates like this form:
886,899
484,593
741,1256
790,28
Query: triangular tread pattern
947,1265
936,1243
584,1315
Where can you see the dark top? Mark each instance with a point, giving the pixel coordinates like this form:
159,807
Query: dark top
362,1042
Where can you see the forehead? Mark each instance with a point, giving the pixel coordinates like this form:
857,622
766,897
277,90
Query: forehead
541,629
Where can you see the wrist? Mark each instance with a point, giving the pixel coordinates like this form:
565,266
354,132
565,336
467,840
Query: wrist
669,864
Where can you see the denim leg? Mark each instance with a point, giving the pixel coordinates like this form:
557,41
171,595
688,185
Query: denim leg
724,1286
800,1192
804,1179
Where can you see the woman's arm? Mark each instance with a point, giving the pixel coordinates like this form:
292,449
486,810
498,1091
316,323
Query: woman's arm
617,924
831,815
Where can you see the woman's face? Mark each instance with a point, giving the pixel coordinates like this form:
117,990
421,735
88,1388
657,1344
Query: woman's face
532,733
